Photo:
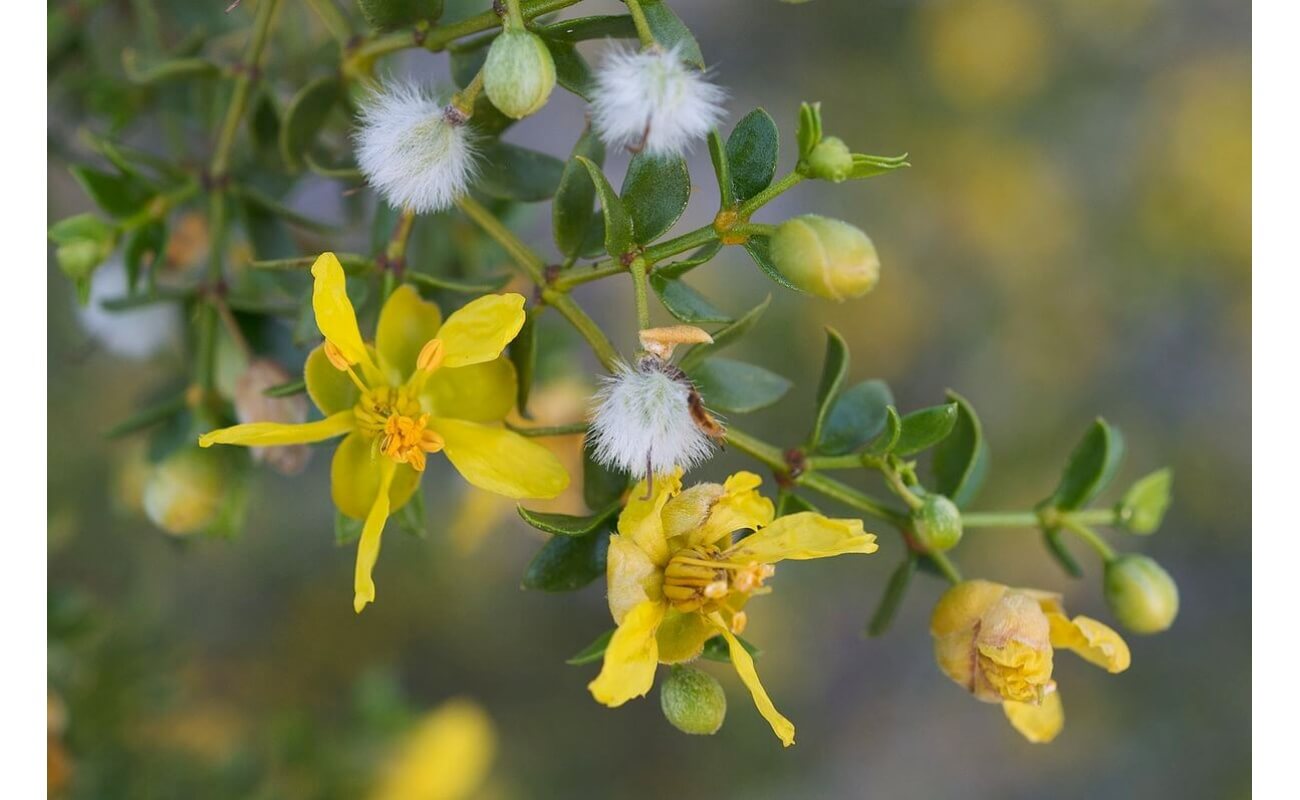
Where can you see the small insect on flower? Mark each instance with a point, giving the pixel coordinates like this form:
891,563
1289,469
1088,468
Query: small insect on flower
415,151
651,101
649,419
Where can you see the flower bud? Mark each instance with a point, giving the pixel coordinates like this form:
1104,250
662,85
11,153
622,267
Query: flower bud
252,405
993,641
937,524
825,257
184,492
519,74
693,701
830,160
1141,595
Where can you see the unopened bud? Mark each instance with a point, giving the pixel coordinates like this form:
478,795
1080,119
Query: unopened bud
693,701
184,492
825,257
937,524
1141,595
519,73
431,356
830,160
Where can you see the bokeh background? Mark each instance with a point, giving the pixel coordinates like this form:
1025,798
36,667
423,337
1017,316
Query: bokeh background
1073,239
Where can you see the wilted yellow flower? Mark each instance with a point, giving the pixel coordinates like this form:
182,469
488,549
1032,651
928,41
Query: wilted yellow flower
676,579
998,643
425,386
445,757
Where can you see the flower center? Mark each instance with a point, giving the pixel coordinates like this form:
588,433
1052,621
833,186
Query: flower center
394,417
700,578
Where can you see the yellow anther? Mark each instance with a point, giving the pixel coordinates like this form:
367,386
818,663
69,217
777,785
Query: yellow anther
430,357
738,622
406,440
716,590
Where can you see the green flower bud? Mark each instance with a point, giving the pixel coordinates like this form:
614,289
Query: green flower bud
825,257
81,244
184,492
693,701
1141,594
937,524
830,160
519,74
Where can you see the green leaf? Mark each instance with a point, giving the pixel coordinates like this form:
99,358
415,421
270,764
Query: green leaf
856,417
1056,548
759,249
508,172
581,29
387,15
790,503
618,225
885,443
715,649
835,365
523,354
721,168
567,563
810,127
572,212
571,70
736,387
961,460
81,244
676,269
892,599
669,32
1091,467
725,336
143,247
468,57
264,127
118,195
925,428
305,116
346,529
1144,504
565,524
685,303
601,486
592,652
870,166
655,193
411,517
752,149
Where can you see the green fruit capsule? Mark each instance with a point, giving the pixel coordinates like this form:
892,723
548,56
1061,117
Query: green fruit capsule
937,524
825,257
1141,595
184,492
519,74
693,701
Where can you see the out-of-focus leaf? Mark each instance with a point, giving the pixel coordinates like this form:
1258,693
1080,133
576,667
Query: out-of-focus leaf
387,15
1056,548
1144,504
735,387
1091,467
508,172
715,649
725,336
895,591
961,460
346,529
601,486
925,428
119,195
143,247
567,563
411,517
791,503
618,225
592,652
752,149
655,192
835,365
685,303
572,212
856,417
870,166
887,439
305,116
571,70
523,354
581,29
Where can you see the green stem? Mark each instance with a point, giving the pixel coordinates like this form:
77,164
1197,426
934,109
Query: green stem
851,461
643,31
243,89
333,20
680,244
514,16
571,429
753,229
438,38
1073,525
578,276
1030,519
465,99
395,252
640,289
945,566
895,482
767,195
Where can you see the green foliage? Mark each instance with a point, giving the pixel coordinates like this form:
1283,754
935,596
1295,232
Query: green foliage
735,387
1143,506
568,563
751,154
387,15
655,193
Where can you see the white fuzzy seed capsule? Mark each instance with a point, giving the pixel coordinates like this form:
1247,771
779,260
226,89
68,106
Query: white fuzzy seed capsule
135,334
413,150
651,101
642,420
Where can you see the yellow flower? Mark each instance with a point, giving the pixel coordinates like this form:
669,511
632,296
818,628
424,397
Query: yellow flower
445,757
998,642
676,578
425,386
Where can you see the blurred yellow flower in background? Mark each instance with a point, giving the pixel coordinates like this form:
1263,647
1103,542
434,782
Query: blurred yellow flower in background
983,52
445,757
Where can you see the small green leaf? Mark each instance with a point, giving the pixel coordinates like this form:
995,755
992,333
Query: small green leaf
143,246
925,428
685,303
736,387
572,213
655,192
523,354
565,524
715,649
581,29
892,599
305,116
725,336
508,172
670,32
118,195
601,486
1144,504
592,652
752,149
571,70
1056,548
264,127
568,563
1091,467
411,517
759,249
618,225
791,503
870,166
387,15
721,168
835,365
346,529
81,244
810,127
676,269
887,440
961,460
857,416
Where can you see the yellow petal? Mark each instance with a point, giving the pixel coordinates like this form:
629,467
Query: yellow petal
368,547
740,507
1037,723
334,314
329,388
501,461
267,434
406,323
355,474
744,664
445,757
803,536
682,636
631,576
481,329
630,658
1094,642
642,518
479,393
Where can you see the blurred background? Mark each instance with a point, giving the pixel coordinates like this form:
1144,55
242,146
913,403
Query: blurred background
1073,240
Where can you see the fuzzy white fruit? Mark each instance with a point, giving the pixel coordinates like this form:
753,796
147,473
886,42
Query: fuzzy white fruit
417,153
642,421
653,102
135,334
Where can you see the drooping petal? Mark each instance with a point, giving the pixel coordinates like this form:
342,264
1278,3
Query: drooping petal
803,536
482,392
500,460
329,388
354,478
740,507
1093,641
630,657
1037,723
744,664
481,329
642,518
682,636
445,757
368,546
406,323
268,434
334,313
631,576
